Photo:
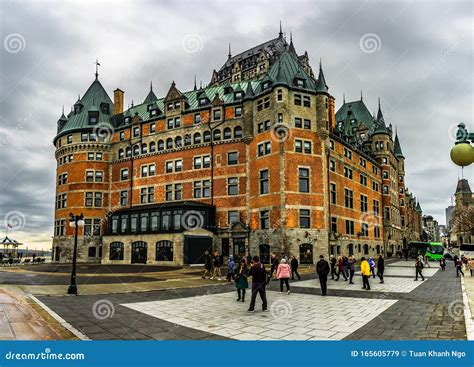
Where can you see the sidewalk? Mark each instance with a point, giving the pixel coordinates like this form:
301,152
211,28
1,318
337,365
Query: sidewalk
468,285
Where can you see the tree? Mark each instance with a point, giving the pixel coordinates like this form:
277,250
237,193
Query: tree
462,221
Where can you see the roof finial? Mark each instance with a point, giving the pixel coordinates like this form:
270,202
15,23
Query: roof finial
63,109
343,97
230,53
361,97
291,37
200,84
132,102
379,103
281,32
195,84
151,86
96,69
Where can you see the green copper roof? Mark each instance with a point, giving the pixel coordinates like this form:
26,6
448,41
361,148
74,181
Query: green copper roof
397,148
287,69
91,101
418,207
380,127
352,114
321,85
151,97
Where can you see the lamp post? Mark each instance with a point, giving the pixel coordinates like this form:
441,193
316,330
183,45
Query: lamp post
462,154
75,221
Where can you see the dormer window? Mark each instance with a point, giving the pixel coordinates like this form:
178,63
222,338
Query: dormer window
104,107
170,106
217,114
149,107
153,113
77,109
92,119
266,85
127,119
227,90
238,95
202,101
177,104
300,83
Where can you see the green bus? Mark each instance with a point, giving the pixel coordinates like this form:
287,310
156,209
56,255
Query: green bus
433,250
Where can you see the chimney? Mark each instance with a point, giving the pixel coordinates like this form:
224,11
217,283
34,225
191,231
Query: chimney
118,101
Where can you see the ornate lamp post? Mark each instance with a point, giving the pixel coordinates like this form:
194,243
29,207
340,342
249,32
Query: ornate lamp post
462,154
75,221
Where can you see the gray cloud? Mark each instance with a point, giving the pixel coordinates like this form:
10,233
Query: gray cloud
422,72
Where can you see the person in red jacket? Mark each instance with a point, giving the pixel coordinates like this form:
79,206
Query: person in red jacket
284,274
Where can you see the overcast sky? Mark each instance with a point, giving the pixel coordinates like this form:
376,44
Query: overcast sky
417,56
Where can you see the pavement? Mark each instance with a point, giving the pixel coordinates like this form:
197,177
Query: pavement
468,299
400,309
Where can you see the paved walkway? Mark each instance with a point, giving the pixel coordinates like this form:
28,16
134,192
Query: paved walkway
424,310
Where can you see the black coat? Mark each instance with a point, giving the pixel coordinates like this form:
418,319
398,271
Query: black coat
380,263
322,267
259,275
294,264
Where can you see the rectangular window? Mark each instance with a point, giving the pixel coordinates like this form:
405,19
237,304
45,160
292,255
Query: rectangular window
123,198
89,176
144,222
151,170
334,224
348,173
124,174
232,158
169,166
178,191
305,220
238,111
99,176
306,101
303,179
264,219
307,124
333,193
307,147
298,146
90,156
363,180
152,127
98,156
168,192
217,114
364,228
69,139
89,199
347,153
264,181
377,231
197,118
364,206
332,165
97,199
376,207
348,198
232,186
297,99
178,165
232,216
122,135
298,122
136,131
264,148
349,227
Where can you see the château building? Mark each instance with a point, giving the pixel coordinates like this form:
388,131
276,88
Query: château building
257,161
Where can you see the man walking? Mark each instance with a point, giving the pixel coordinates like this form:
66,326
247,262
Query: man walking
275,262
322,268
458,265
380,267
259,281
365,270
333,262
294,268
207,265
217,266
419,268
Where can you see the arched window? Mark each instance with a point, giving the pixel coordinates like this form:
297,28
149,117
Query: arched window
377,249
366,249
350,249
116,251
139,252
178,142
144,148
187,139
217,135
197,138
227,133
164,251
121,153
161,145
152,147
238,132
129,152
306,253
136,150
207,136
169,143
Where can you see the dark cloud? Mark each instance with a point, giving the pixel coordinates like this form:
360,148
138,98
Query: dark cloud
421,69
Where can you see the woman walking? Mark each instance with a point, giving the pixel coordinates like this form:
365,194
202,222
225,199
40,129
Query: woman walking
351,265
284,274
340,268
365,270
241,281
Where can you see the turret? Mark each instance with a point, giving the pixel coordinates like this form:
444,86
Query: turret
322,105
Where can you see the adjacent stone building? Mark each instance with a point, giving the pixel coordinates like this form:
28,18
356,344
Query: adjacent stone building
256,162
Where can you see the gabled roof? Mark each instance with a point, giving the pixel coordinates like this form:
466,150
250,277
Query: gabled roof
287,69
463,187
173,93
151,97
8,241
352,114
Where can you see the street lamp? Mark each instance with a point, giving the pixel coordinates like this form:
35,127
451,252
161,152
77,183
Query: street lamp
75,221
462,154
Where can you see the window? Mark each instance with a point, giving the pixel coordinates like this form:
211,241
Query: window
334,224
123,198
238,133
364,206
297,99
386,213
280,118
364,229
89,199
97,199
232,158
377,231
305,218
99,176
306,101
144,148
349,227
116,251
152,147
302,146
169,192
217,114
90,156
84,137
144,222
385,189
332,165
264,219
197,118
197,138
98,156
166,220
307,124
363,180
375,186
216,135
279,95
331,144
164,251
144,171
227,133
207,136
232,186
263,126
173,123
303,179
307,147
178,191
264,148
62,178
61,201
232,216
376,207
136,131
333,193
348,173
122,135
348,198
69,139
152,127
161,145
202,189
298,122
363,162
347,153
124,174
147,193
238,111
263,179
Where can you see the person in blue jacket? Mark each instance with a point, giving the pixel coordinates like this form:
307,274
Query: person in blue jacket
230,269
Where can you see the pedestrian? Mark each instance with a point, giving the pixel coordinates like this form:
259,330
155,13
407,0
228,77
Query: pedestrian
372,266
442,263
284,274
294,268
345,268
274,264
34,256
351,265
333,263
365,270
284,256
217,266
259,281
230,269
419,268
426,261
405,253
322,268
241,281
207,265
380,267
340,268
470,263
459,268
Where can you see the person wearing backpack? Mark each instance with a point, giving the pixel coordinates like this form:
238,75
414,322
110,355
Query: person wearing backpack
284,274
365,270
259,282
419,268
322,268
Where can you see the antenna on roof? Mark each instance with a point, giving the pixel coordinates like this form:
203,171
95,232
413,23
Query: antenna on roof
195,86
343,97
281,32
96,69
230,53
361,97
